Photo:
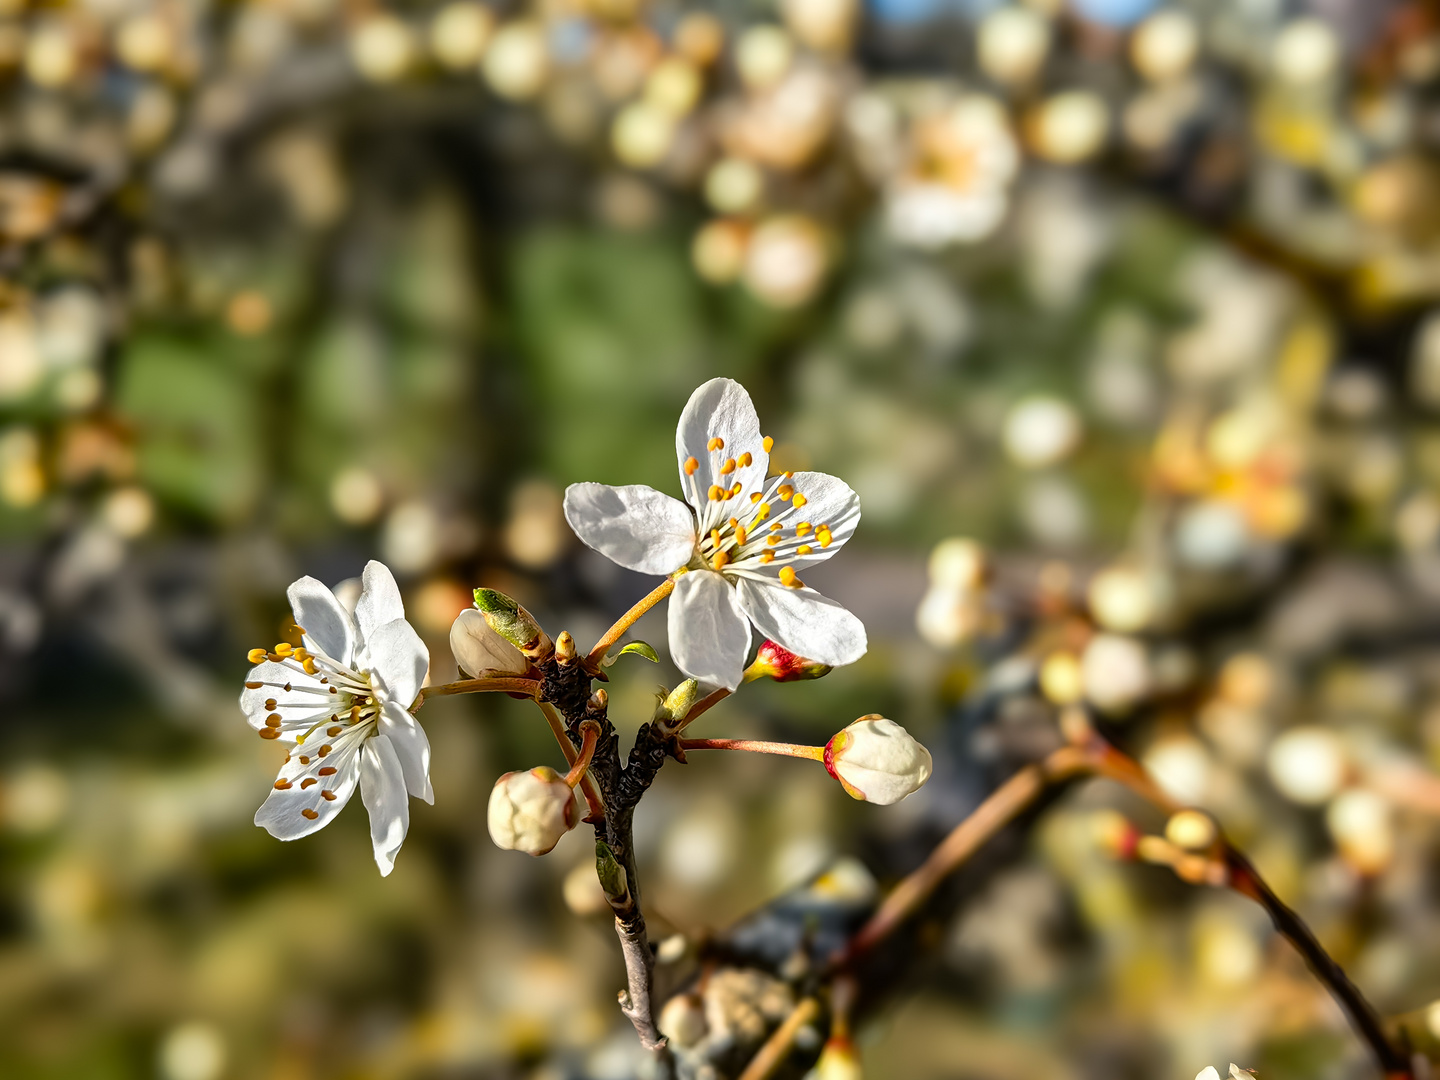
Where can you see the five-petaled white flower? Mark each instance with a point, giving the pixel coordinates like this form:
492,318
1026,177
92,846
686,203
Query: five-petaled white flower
735,549
341,703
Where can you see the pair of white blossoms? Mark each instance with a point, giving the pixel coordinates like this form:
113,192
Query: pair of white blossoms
341,701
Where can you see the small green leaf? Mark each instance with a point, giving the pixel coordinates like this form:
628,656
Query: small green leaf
641,648
613,878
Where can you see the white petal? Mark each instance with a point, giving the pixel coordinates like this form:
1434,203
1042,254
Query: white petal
348,593
829,501
382,788
307,700
478,648
720,409
281,814
328,626
709,637
635,526
379,601
397,655
411,747
802,620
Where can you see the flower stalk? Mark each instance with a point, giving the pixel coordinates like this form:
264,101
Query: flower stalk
629,619
590,735
756,746
503,684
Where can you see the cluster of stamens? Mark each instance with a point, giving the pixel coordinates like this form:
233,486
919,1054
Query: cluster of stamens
760,533
342,686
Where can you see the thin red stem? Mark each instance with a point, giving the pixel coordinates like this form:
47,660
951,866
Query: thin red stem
757,746
590,735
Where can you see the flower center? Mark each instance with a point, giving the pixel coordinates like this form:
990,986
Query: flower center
746,527
354,699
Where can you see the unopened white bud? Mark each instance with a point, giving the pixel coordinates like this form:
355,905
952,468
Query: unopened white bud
531,811
477,647
877,761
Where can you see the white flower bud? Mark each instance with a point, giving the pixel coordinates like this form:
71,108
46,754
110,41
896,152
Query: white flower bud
478,648
531,811
877,761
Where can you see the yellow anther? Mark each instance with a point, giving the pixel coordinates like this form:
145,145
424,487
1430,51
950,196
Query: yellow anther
773,539
736,490
804,549
256,656
284,649
767,556
716,493
309,814
823,535
691,465
789,577
800,500
714,444
740,535
755,497
802,528
776,527
719,561
746,460
762,511
790,474
309,666
734,522
728,467
768,443
715,539
785,492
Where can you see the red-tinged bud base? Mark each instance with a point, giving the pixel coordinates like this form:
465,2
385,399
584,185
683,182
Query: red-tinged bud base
779,663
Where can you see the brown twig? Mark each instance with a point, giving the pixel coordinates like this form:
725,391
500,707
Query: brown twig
1098,758
768,1058
635,999
992,815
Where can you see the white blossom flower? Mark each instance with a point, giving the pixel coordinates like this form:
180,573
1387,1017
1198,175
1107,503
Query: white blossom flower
735,549
876,760
531,811
341,703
